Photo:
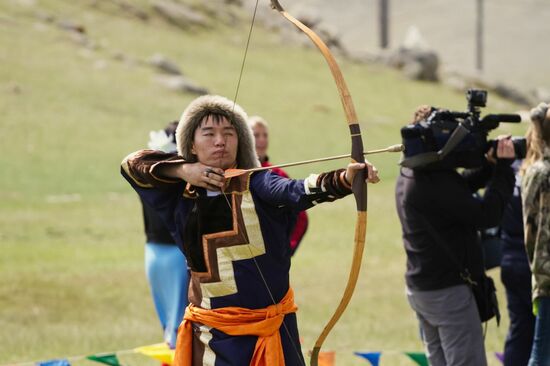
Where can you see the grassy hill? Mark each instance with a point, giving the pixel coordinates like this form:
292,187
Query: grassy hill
71,270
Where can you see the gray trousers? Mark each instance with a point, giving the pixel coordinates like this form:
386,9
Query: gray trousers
450,326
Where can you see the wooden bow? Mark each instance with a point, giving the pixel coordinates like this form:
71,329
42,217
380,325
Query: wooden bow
359,186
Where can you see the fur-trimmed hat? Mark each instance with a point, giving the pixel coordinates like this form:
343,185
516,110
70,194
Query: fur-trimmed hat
540,113
215,104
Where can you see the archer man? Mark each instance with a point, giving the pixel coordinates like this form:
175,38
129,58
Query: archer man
234,233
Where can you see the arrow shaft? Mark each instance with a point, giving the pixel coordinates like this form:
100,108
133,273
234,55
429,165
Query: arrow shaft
394,148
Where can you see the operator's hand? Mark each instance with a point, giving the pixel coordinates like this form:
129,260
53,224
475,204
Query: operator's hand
505,149
201,175
371,176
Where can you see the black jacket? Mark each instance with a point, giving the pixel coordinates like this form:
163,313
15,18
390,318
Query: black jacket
444,199
155,229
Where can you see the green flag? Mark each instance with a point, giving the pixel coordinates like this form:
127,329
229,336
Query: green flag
418,357
107,359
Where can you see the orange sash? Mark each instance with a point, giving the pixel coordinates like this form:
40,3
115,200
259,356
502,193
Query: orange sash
264,323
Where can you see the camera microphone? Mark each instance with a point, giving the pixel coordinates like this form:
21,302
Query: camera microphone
491,121
505,117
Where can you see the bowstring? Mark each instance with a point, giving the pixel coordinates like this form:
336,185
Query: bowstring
241,229
245,54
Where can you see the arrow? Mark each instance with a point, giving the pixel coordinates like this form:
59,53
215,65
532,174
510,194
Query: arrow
230,173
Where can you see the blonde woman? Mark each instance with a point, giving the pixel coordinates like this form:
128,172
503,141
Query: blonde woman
536,219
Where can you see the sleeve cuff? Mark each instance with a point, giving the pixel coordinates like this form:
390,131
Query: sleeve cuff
310,184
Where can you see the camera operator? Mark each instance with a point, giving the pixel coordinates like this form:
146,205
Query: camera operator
440,218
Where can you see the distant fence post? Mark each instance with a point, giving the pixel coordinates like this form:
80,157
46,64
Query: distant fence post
479,35
383,7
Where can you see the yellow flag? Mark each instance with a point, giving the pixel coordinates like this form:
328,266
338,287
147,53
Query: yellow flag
159,351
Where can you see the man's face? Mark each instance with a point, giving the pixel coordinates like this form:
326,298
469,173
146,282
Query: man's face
215,142
261,136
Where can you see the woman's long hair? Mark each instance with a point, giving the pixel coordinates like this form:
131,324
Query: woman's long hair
538,136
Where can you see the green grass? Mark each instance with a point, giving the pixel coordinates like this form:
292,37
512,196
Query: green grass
71,270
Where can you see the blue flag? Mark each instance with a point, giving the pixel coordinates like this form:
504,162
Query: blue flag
372,357
54,363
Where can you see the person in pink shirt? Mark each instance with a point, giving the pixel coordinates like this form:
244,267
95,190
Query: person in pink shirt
261,135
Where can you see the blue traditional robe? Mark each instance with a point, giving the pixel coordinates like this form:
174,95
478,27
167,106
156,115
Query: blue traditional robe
236,244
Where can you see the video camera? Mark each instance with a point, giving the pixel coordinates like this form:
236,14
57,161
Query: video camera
455,139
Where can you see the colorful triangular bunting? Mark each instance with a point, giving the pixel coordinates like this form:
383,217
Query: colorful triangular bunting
372,357
159,351
108,359
326,358
418,357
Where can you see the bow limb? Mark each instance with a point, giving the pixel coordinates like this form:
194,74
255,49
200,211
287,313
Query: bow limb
359,186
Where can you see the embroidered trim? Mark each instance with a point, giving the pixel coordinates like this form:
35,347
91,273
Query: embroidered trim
126,169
